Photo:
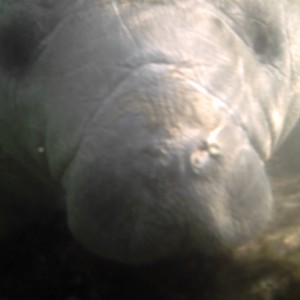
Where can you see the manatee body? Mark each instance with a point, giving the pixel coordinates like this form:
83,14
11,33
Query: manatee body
152,120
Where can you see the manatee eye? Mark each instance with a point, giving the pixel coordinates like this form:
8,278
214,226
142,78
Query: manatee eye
18,43
266,41
260,43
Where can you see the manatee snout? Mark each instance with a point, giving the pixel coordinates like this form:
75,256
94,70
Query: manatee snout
162,180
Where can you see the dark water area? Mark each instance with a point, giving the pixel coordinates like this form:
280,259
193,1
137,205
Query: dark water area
44,262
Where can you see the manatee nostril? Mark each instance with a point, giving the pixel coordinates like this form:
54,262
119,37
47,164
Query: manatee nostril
198,160
170,157
156,151
159,153
214,150
199,157
202,155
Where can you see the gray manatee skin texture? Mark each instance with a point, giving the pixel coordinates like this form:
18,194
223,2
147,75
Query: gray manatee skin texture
154,120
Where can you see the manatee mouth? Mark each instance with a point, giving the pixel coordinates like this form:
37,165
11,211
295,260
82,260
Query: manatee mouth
167,179
168,202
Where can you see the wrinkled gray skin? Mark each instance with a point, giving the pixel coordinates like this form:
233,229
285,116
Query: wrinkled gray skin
155,118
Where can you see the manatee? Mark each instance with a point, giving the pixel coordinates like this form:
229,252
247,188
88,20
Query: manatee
151,124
